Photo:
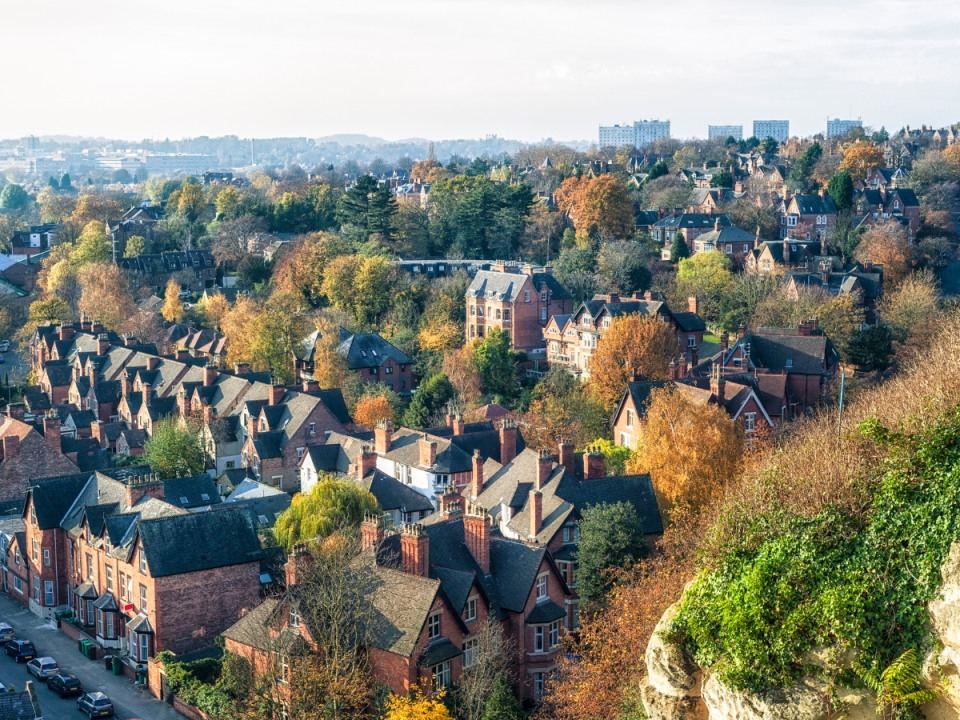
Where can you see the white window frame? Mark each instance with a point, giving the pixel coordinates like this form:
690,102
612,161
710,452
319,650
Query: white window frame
542,587
143,647
48,599
434,625
441,675
18,584
470,612
470,652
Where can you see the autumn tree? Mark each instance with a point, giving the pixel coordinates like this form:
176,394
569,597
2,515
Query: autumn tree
428,171
172,309
332,504
859,159
215,307
278,331
461,368
94,206
105,294
359,286
913,312
372,409
302,268
562,407
330,366
233,239
887,243
633,344
418,706
55,207
236,326
494,654
144,325
689,450
598,205
136,246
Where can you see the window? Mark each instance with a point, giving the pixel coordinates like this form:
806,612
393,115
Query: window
402,368
144,647
729,248
473,311
498,314
543,313
123,586
746,248
479,312
388,370
299,454
129,588
585,321
629,418
109,574
506,316
143,598
313,428
143,561
16,556
539,683
89,566
33,515
100,623
373,371
284,669
788,363
441,675
470,652
36,588
526,296
749,420
471,611
541,588
624,440
35,554
606,322
110,629
737,362
539,636
18,584
433,626
543,295
554,634
691,341
294,618
46,557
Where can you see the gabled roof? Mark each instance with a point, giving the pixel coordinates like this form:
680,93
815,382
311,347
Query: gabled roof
405,449
52,497
366,350
391,494
692,221
189,492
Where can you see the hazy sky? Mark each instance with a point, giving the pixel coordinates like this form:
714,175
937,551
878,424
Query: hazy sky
522,69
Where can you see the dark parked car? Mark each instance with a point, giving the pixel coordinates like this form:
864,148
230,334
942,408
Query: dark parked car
65,685
20,650
95,705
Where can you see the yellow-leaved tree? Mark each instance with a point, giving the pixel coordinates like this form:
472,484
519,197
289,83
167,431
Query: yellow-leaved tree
172,309
634,343
689,449
859,159
215,307
418,707
371,409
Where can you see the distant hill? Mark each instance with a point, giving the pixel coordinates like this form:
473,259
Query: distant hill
351,139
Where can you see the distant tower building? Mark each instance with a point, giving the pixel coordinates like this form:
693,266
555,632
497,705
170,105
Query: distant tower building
30,142
779,130
725,131
642,132
837,127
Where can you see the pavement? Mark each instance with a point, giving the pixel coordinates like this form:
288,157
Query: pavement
128,701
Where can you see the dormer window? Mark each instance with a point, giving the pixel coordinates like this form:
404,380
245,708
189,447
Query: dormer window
294,618
263,424
789,363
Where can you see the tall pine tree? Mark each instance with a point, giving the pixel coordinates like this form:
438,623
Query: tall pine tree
679,249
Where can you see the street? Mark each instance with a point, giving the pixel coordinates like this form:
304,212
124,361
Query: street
950,275
128,701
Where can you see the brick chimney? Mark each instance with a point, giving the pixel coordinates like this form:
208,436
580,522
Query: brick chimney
694,357
15,411
92,375
66,332
459,427
241,368
544,468
536,512
717,384
366,462
140,485
716,225
428,452
476,534
742,330
825,275
51,430
147,391
476,478
103,344
594,464
253,427
450,503
85,323
804,329
682,367
11,444
415,550
182,354
130,341
298,564
382,435
126,388
508,441
724,341
277,392
648,295
371,530
613,297
674,369
152,362
693,304
567,457
450,418
209,414
310,386
97,433
210,375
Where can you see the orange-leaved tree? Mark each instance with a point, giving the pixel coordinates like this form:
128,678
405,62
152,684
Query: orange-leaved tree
632,344
690,449
372,409
887,243
598,205
859,159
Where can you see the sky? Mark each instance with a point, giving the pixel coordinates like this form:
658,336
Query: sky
447,69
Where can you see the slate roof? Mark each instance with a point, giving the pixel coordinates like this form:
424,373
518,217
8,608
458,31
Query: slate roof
17,706
402,602
250,489
193,489
405,449
366,350
692,221
266,507
813,204
252,628
108,391
729,234
200,541
391,494
52,497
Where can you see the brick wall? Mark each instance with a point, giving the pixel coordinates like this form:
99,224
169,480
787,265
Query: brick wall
620,429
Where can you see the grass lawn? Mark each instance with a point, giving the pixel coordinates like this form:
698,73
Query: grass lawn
711,338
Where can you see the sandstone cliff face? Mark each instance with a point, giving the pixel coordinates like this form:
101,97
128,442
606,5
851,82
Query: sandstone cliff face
676,688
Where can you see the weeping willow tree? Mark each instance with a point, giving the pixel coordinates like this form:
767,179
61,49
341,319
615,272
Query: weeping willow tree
330,506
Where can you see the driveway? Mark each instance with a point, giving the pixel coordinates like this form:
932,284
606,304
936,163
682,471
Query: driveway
49,641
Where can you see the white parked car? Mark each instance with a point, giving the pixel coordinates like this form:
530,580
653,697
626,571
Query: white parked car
43,667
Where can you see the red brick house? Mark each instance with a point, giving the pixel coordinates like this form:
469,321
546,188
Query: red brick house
368,355
881,203
813,212
518,299
17,580
771,255
26,454
142,574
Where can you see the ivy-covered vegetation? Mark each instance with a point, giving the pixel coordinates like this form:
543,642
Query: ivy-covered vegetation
213,685
839,578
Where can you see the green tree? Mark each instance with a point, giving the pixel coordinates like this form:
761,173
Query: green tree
679,249
136,245
722,179
428,402
658,169
53,183
253,269
872,347
13,197
840,188
611,535
478,166
121,176
174,449
769,146
708,276
332,505
65,180
496,364
502,703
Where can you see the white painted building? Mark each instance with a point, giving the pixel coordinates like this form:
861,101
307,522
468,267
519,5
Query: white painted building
725,131
837,126
779,130
642,132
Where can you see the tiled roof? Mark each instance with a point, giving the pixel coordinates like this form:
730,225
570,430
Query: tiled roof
366,350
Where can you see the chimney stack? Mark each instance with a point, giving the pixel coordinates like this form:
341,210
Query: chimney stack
742,330
594,464
66,332
147,391
210,375
428,452
367,461
11,444
724,341
382,435
97,433
693,304
152,362
536,513
51,430
415,550
310,386
241,368
298,563
103,344
126,388
508,441
277,391
476,534
544,468
140,485
476,479
181,354
567,457
371,530
130,341
459,427
253,427
15,411
450,503
717,384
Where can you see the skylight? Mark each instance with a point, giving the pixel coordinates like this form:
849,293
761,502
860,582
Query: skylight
789,362
204,496
184,499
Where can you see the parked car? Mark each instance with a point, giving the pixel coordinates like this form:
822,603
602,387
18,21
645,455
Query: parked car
64,685
1,359
4,345
43,668
7,633
95,704
20,650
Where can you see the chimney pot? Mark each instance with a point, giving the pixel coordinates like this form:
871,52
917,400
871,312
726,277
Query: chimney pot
382,435
428,452
536,513
415,550
508,441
